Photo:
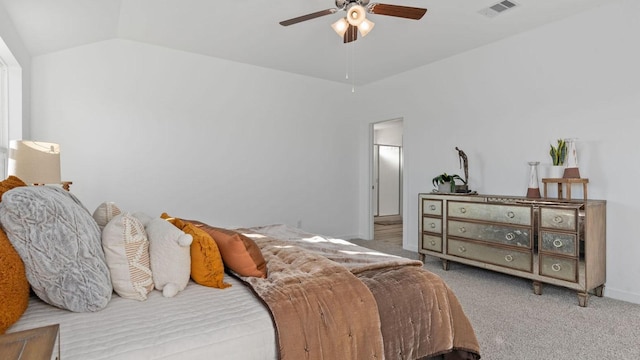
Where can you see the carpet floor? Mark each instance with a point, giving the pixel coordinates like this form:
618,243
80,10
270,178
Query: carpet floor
512,323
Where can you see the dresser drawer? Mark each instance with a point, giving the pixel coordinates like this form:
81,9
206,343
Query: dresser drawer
433,225
432,207
510,258
559,218
510,214
502,234
559,243
559,268
431,242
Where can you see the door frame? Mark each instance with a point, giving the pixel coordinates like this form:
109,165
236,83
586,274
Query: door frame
371,184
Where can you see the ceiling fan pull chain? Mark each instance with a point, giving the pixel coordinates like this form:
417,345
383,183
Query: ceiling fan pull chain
353,67
346,62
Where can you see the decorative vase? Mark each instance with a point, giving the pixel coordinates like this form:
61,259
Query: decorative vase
572,171
556,171
445,187
534,188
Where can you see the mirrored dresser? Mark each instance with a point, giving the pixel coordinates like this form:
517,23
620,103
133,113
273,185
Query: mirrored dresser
558,242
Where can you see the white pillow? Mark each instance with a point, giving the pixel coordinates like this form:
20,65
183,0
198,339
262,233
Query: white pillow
126,250
105,212
170,253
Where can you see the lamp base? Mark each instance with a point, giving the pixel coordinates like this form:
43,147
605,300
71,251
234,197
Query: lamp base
533,193
571,173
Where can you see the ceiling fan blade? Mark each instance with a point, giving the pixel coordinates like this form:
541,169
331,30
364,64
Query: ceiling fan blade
406,12
308,17
351,34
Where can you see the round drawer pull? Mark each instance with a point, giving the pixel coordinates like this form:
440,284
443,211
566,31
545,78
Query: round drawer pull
462,248
557,243
510,236
433,243
556,267
432,225
511,215
509,258
432,207
462,229
463,210
557,219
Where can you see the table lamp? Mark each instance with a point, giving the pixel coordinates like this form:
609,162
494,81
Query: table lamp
35,162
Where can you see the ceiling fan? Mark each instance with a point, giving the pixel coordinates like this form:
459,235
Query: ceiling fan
355,20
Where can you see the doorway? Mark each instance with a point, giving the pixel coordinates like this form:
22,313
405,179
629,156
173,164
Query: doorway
387,181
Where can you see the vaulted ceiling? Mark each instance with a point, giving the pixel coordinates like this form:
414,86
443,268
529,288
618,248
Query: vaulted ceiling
248,31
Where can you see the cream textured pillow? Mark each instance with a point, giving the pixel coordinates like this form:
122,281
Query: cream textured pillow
169,251
105,212
126,249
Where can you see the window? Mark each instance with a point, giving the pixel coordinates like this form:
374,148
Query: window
3,119
10,103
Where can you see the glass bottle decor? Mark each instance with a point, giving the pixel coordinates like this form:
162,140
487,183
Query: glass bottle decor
534,188
571,171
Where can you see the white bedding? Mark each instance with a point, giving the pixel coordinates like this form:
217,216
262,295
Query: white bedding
199,323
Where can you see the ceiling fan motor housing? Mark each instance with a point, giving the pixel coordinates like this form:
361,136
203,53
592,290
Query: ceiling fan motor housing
341,4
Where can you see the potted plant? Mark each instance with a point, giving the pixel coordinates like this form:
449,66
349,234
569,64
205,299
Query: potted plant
558,155
446,183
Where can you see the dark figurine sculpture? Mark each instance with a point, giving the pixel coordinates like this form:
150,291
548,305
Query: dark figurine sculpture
462,157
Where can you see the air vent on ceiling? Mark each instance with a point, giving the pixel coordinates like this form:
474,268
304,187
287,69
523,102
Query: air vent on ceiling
498,8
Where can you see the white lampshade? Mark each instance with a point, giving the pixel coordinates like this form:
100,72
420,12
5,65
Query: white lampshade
365,27
340,26
35,162
356,15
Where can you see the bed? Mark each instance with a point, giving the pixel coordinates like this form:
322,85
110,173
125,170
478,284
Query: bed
323,298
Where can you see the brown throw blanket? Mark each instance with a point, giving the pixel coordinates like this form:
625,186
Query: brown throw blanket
311,293
320,310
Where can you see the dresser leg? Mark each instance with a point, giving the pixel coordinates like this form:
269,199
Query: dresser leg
445,264
422,257
537,287
583,298
599,291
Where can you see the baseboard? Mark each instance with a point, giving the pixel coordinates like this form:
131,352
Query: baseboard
348,237
622,295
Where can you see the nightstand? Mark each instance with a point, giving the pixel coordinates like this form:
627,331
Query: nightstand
41,343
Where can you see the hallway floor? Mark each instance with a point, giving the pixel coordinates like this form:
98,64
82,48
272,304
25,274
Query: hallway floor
391,233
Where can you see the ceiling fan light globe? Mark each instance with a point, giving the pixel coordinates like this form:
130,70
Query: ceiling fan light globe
365,27
340,26
356,14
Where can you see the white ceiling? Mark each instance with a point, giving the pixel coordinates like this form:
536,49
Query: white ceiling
247,31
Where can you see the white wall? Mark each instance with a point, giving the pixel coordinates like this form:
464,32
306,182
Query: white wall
161,130
505,103
156,130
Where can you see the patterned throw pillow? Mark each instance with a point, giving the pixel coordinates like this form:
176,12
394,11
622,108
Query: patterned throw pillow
59,243
105,212
206,263
126,250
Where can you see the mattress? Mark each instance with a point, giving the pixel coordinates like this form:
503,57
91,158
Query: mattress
200,322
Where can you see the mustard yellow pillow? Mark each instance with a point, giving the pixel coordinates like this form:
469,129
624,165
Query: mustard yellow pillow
10,183
14,287
207,267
